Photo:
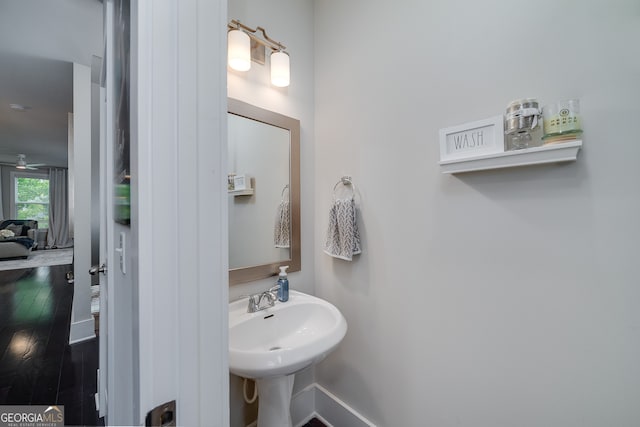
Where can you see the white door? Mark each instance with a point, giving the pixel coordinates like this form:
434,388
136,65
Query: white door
118,361
169,307
105,284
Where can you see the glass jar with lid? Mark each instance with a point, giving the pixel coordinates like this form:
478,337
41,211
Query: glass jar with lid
523,128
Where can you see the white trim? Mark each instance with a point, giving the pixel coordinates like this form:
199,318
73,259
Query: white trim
336,411
12,183
211,261
327,407
303,406
71,174
141,129
30,174
154,211
81,310
82,331
180,119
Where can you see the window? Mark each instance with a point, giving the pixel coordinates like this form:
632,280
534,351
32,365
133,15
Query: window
31,197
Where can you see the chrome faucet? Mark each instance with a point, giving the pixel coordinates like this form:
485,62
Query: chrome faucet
255,300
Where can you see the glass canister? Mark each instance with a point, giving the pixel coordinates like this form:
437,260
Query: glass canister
522,124
562,121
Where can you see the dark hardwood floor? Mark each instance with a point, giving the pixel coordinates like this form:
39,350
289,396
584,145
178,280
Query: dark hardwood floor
314,422
37,364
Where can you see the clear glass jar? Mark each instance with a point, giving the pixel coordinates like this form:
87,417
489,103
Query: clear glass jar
523,127
525,139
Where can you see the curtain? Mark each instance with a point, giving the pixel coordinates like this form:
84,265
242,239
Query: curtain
1,210
58,234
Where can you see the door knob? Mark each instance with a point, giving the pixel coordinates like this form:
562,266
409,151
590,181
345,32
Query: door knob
98,269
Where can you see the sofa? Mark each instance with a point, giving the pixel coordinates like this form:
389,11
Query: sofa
20,245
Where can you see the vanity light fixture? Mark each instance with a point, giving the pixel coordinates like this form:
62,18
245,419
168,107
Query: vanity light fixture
245,44
239,50
280,69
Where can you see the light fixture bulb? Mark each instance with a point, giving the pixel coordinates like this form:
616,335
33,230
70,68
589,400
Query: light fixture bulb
280,74
239,50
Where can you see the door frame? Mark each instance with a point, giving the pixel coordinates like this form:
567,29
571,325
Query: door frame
178,159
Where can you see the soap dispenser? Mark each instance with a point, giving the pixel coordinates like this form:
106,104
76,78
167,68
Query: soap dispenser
283,284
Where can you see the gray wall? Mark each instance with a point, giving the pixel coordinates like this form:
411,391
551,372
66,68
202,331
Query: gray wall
498,298
290,22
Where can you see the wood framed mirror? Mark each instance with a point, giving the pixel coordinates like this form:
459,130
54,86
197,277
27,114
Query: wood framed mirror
264,213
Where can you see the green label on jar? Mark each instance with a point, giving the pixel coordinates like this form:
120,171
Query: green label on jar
564,121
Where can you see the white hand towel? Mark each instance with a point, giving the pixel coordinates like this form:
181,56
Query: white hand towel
343,237
281,234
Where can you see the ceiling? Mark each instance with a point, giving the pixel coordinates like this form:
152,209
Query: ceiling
39,41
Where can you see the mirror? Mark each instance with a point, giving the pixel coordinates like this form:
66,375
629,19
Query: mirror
264,199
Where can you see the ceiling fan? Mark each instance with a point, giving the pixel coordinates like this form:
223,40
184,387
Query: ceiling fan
21,163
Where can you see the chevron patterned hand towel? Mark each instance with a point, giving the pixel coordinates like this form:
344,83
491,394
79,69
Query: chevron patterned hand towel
343,237
281,235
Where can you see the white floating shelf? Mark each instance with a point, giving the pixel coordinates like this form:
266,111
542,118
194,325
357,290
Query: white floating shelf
552,153
247,192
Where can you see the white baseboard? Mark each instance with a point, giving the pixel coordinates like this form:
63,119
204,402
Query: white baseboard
82,331
314,414
316,401
303,405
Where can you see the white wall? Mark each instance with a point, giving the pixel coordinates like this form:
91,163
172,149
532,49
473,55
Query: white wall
82,323
498,298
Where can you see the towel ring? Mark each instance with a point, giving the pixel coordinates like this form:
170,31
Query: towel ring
286,187
346,181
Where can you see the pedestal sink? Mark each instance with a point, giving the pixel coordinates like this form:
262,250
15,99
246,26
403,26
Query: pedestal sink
271,345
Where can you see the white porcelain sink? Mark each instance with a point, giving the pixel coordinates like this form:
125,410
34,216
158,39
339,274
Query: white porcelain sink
283,339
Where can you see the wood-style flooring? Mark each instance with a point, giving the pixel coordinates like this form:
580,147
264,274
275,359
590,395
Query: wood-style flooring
314,422
37,364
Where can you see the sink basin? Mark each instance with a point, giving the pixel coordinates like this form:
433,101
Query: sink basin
283,339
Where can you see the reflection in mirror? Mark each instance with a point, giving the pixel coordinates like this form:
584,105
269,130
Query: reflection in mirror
264,198
260,152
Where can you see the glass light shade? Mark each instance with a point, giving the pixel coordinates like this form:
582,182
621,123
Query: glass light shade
280,74
239,50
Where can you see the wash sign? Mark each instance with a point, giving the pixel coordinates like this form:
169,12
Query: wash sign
472,139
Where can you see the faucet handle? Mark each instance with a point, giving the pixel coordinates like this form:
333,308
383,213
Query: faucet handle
254,303
274,291
274,288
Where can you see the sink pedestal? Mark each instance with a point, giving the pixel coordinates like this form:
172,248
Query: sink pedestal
274,404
